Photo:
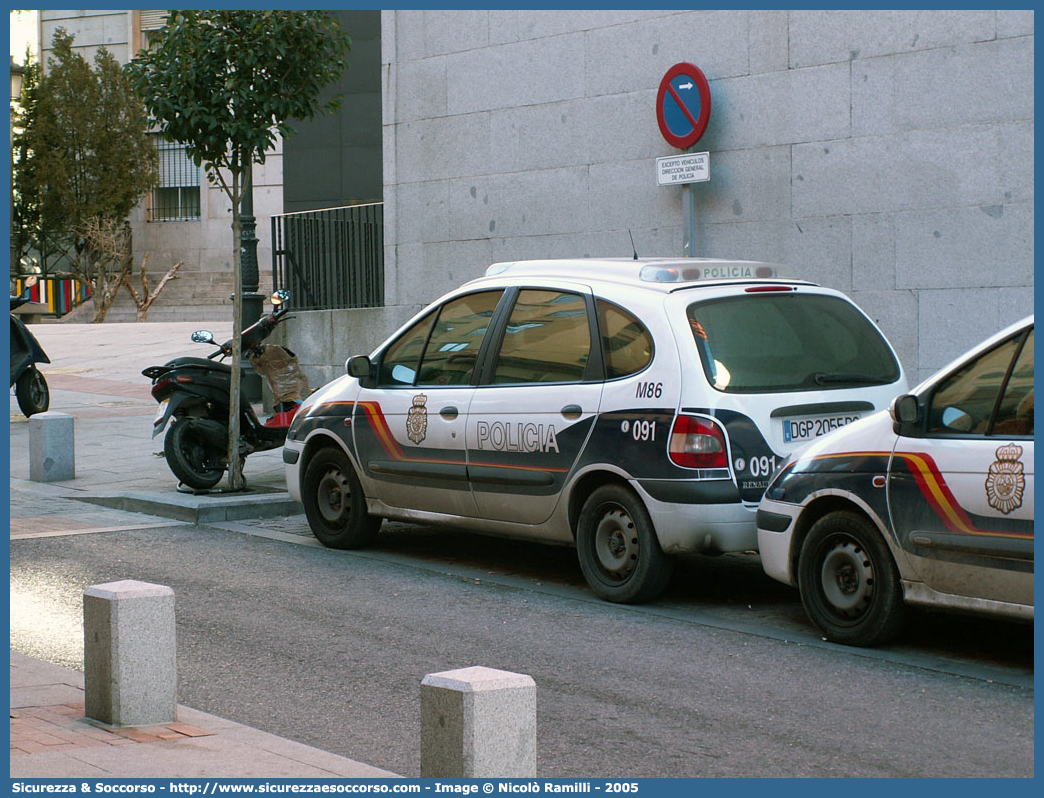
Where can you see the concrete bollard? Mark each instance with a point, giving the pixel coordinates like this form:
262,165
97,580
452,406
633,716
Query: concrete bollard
478,723
51,447
129,656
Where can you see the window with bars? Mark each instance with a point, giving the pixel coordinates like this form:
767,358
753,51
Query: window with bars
176,198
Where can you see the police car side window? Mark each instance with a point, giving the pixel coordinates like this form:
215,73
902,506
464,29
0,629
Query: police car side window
450,355
547,339
1015,413
964,402
441,348
401,358
628,346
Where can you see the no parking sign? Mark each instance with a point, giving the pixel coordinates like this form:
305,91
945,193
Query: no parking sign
683,105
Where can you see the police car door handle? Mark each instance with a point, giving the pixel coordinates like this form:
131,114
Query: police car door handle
449,413
572,411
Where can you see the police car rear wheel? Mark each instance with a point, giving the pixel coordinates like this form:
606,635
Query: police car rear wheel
849,583
334,502
617,547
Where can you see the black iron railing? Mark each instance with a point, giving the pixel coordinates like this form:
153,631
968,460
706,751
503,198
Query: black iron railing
330,258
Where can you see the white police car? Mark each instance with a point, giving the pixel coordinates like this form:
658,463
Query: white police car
633,407
930,502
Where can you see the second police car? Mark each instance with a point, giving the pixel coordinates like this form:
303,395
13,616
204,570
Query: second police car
634,408
928,503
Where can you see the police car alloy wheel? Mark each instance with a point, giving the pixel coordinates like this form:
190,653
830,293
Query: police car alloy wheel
849,584
334,502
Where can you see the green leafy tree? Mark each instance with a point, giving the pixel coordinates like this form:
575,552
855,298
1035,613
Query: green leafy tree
83,159
225,84
25,212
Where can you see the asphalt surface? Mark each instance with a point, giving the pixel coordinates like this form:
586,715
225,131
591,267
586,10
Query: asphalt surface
329,648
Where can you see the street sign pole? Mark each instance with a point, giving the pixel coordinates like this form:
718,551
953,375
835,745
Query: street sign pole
683,106
689,214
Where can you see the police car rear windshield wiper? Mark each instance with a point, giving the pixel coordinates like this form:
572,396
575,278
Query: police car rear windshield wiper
823,378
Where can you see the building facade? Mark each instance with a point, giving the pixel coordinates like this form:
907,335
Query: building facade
888,154
184,219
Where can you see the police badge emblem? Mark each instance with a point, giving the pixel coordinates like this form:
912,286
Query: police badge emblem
1006,482
417,419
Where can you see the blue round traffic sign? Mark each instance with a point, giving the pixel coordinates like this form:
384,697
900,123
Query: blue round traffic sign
683,105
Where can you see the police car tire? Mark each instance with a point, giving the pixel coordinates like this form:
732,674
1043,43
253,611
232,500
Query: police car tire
348,525
615,529
849,583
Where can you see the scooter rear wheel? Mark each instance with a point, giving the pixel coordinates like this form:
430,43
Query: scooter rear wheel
191,457
32,392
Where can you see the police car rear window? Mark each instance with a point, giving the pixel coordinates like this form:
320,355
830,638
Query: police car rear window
768,342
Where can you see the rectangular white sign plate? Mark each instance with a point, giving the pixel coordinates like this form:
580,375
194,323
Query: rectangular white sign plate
675,170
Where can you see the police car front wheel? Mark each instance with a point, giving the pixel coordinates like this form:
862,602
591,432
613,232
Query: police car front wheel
619,554
849,584
334,502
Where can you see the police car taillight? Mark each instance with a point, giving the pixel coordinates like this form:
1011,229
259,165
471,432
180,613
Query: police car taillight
697,443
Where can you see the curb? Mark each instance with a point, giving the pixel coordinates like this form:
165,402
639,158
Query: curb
200,509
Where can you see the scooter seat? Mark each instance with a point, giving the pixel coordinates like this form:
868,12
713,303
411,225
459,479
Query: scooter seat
199,362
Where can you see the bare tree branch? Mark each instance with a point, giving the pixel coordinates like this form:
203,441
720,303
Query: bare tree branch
144,300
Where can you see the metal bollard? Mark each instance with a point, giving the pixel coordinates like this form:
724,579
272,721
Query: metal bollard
129,654
478,723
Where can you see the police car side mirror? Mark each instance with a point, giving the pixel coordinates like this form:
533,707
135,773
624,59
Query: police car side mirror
906,415
359,366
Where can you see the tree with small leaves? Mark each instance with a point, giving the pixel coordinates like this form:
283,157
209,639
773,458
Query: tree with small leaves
225,84
83,161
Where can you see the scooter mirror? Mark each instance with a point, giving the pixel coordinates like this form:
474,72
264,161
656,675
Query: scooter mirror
203,337
280,296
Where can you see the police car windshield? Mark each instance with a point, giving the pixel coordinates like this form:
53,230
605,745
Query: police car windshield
761,343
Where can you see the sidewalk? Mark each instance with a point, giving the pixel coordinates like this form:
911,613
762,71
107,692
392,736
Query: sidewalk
50,738
120,483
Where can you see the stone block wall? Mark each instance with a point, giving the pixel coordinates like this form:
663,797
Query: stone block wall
888,154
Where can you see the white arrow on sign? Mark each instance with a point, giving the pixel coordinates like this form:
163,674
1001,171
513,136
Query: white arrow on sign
685,86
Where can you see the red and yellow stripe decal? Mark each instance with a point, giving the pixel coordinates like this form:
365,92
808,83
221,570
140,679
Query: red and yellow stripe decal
379,425
936,492
391,447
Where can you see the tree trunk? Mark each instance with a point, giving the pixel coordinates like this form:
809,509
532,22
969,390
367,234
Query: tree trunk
144,301
235,473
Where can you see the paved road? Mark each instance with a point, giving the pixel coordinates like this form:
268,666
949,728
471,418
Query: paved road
329,648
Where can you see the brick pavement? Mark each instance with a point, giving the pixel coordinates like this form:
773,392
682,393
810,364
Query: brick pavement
63,727
51,738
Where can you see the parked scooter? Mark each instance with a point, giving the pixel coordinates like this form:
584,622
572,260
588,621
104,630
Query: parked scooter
29,384
195,393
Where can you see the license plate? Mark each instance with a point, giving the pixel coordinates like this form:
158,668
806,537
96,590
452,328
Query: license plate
805,428
160,412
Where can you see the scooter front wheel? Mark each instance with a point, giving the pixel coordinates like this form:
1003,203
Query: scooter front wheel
191,456
32,392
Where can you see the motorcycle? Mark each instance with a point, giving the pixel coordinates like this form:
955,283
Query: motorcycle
29,384
194,394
